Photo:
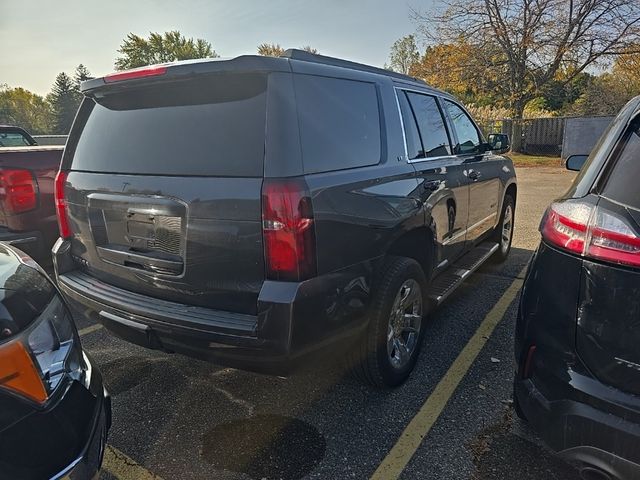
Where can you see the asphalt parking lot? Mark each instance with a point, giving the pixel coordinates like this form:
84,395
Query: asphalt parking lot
179,418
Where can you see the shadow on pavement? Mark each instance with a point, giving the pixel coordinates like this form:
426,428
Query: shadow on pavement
265,447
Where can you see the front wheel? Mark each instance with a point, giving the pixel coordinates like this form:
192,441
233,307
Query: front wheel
503,234
388,353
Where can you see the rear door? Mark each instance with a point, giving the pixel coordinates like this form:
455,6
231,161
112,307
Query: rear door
483,173
442,184
608,333
163,187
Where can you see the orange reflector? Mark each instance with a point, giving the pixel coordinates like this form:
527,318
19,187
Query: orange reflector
18,373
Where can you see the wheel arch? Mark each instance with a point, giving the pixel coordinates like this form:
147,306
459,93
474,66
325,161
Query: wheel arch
417,244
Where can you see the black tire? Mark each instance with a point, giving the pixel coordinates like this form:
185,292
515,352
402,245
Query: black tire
370,359
504,247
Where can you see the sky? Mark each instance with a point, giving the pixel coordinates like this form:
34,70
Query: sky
42,38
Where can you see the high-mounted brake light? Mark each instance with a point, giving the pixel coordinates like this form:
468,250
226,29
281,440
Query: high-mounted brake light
288,230
592,232
152,71
18,190
61,204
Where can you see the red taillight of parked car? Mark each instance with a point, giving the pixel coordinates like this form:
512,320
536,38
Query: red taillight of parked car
61,205
288,230
18,190
592,232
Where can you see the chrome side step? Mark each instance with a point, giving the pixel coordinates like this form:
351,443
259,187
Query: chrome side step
447,282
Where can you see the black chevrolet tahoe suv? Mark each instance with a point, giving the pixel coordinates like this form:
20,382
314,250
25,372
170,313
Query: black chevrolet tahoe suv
255,211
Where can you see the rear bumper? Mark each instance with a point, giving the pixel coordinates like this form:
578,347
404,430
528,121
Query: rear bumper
294,320
604,436
208,334
585,420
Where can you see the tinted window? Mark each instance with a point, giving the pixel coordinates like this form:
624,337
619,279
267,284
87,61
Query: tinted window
432,130
468,137
414,145
339,123
621,184
209,126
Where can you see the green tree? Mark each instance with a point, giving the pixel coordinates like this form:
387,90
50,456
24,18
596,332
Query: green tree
137,51
25,109
81,74
64,103
536,39
404,54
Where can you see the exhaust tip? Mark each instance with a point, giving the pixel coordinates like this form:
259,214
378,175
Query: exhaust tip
593,473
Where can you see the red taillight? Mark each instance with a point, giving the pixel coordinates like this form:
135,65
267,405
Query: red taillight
17,190
288,230
61,205
592,232
151,71
565,225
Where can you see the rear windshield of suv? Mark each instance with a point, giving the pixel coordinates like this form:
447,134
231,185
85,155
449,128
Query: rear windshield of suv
212,126
621,182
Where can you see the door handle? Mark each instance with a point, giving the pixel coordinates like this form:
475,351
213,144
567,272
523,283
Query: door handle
474,175
432,185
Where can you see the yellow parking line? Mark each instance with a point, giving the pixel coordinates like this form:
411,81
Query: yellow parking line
89,329
124,468
407,445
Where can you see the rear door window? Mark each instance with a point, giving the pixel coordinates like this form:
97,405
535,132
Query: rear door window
13,139
468,136
339,123
621,181
411,134
433,132
210,126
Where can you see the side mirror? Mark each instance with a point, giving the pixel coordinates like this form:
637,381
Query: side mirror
575,162
499,142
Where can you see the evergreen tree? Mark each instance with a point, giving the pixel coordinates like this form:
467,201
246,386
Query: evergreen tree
82,73
64,103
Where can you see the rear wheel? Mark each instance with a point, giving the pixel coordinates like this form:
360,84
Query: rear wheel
503,234
387,354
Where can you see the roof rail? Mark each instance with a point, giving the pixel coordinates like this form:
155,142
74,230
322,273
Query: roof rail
303,55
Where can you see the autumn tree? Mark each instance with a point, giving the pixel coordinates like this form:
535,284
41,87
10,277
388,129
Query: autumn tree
25,109
607,93
459,68
137,51
536,38
404,54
